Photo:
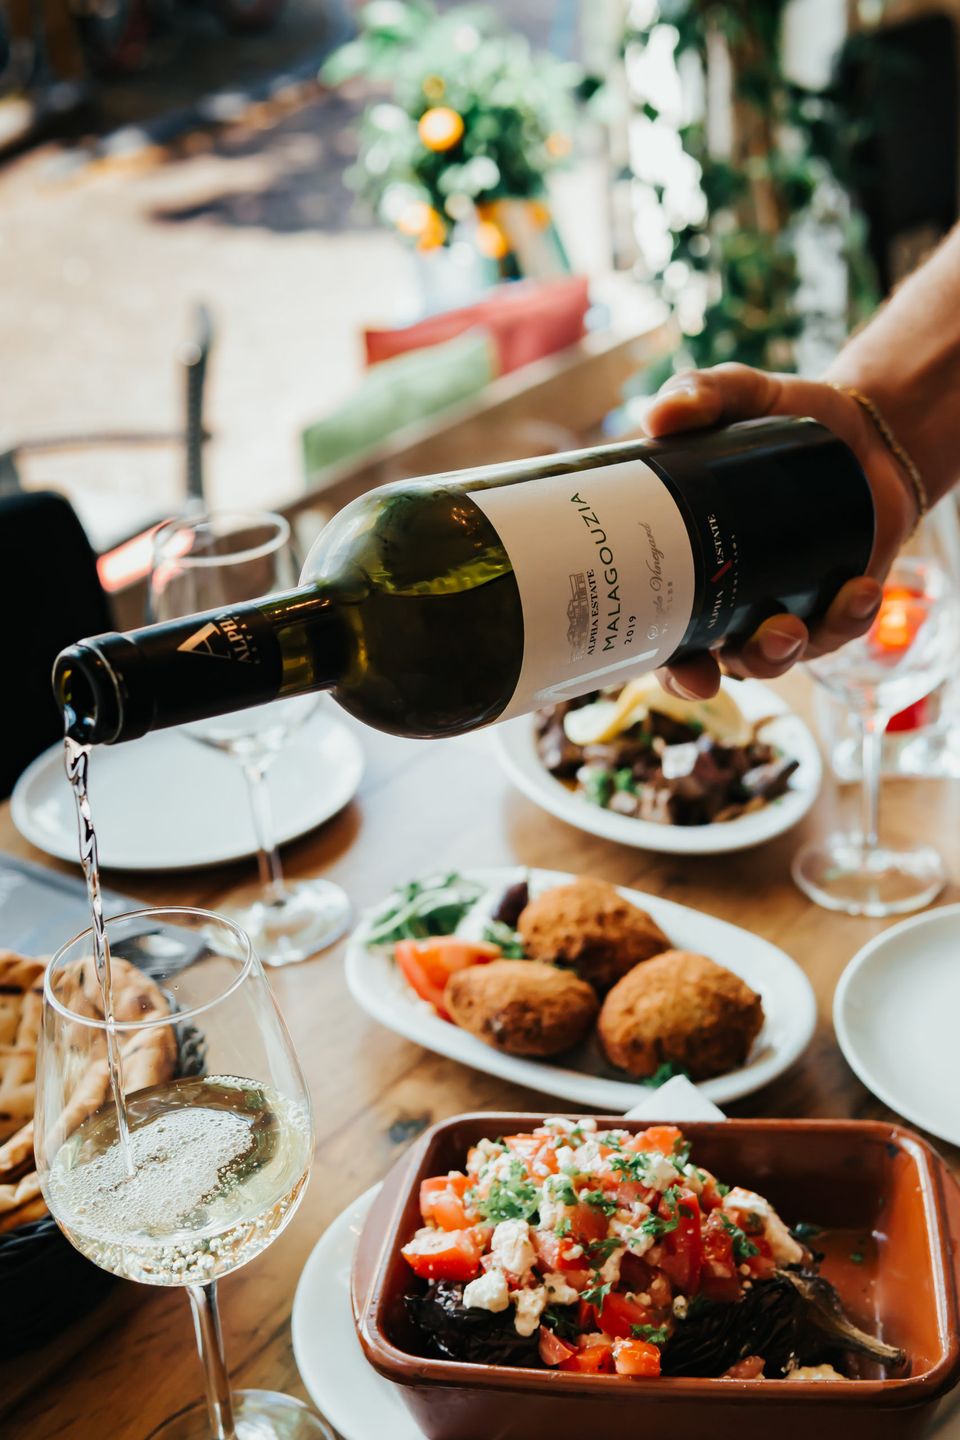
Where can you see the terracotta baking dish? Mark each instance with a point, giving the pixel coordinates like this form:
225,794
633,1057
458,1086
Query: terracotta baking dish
849,1175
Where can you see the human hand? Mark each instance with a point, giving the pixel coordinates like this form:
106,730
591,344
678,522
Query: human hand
697,398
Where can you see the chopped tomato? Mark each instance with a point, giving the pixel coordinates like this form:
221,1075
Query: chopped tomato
683,1250
621,1312
636,1357
629,1192
762,1265
538,1154
564,1255
411,968
553,1350
593,1356
719,1280
635,1275
658,1137
445,1254
710,1197
587,1223
442,1201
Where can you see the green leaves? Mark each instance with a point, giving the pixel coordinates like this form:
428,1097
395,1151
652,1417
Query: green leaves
423,908
743,1246
509,941
511,1199
654,1334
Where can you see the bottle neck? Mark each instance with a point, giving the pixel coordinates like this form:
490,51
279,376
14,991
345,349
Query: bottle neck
117,687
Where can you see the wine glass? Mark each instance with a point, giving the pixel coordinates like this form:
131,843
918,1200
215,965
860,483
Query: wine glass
908,651
213,561
219,1124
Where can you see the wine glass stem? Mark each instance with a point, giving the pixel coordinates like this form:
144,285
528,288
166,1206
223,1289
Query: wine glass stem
268,855
873,726
206,1320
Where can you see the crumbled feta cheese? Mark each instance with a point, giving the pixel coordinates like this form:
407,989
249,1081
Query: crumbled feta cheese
488,1292
659,1172
484,1152
693,1179
680,1306
511,1248
551,1211
560,1125
566,1159
499,1167
786,1250
574,1252
530,1306
610,1269
813,1372
559,1292
637,1241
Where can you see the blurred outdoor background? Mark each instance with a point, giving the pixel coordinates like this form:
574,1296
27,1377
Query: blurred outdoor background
279,219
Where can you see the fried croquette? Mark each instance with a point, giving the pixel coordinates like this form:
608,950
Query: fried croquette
589,926
522,1006
683,1009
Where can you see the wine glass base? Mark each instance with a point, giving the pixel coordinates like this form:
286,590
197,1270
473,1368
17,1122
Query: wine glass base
840,874
257,1414
304,918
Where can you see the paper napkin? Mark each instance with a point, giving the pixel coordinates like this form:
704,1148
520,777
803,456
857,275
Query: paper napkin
678,1099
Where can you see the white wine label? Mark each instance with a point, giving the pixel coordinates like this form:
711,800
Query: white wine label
605,571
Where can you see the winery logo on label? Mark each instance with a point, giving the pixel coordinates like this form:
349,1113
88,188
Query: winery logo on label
578,614
222,639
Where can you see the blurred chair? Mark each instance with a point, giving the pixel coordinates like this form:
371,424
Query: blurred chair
50,596
903,79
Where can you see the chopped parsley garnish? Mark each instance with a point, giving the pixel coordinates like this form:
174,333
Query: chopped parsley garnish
560,1324
807,1231
722,1189
597,784
623,780
743,1246
856,1257
655,1334
562,1228
681,1153
597,1292
611,1139
657,1225
512,1199
560,1188
599,1201
511,946
602,1249
632,1167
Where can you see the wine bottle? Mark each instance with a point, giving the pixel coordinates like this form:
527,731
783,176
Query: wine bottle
431,606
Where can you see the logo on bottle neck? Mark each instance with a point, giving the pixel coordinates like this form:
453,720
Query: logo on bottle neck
224,638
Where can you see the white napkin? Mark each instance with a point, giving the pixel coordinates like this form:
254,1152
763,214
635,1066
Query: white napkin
678,1099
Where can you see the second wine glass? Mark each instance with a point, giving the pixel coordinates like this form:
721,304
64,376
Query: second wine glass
212,561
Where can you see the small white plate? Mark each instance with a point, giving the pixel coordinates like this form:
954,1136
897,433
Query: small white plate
340,1382
166,802
516,745
895,1014
587,1079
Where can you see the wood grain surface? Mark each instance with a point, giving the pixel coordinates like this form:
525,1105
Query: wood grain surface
423,805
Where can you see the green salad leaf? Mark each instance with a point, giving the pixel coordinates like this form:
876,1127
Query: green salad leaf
415,911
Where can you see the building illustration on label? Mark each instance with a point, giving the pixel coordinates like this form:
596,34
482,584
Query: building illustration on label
578,615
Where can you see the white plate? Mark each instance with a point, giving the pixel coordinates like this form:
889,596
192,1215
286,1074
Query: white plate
788,1002
518,753
895,1014
343,1386
340,1382
166,802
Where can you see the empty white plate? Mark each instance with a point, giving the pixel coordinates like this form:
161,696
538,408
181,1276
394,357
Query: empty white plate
895,1013
166,802
516,745
584,1077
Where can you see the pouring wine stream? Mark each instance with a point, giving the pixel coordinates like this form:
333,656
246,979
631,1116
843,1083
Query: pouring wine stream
77,765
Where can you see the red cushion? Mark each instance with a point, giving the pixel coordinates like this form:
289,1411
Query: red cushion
527,319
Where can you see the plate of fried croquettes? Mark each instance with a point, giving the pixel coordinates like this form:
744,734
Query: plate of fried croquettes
581,989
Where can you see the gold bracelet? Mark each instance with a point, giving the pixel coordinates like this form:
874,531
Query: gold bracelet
892,444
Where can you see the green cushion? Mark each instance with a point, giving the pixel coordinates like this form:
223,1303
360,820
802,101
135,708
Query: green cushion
397,393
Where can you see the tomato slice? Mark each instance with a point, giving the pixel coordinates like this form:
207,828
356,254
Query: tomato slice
636,1357
554,1254
442,1201
594,1356
553,1350
443,955
620,1313
683,1248
445,1254
410,967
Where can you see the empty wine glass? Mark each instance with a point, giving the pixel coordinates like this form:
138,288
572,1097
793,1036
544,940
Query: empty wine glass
219,1124
213,561
909,650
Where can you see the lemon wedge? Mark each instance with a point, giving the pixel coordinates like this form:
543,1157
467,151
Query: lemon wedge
605,719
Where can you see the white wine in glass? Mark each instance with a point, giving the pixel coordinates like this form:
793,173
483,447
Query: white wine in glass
220,1135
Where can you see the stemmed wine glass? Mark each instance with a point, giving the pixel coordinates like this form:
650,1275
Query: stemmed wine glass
219,1124
213,561
909,650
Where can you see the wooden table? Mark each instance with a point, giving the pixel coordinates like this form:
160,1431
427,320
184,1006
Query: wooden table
423,805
